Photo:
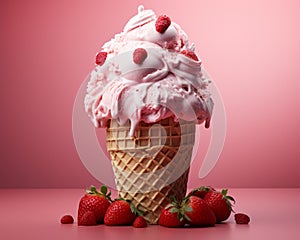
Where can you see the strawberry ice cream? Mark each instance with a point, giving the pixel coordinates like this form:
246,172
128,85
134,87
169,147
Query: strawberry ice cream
146,73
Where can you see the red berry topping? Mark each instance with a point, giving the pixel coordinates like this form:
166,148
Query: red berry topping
87,219
67,219
100,58
139,222
162,23
139,55
241,218
190,54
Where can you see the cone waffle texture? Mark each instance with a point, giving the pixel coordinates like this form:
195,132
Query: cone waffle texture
154,164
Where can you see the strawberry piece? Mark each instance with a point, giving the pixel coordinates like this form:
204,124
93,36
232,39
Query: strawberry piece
162,23
87,219
100,58
201,191
190,54
139,222
139,55
120,212
67,219
241,218
220,203
95,202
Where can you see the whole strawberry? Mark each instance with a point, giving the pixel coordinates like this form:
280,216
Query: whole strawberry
170,216
220,203
120,212
140,222
94,202
198,212
201,191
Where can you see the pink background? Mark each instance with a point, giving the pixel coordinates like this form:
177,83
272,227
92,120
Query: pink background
250,48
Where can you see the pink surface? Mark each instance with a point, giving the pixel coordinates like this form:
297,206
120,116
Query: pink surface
35,214
250,48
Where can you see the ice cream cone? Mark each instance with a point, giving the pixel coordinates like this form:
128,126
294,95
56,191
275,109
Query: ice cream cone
145,76
153,165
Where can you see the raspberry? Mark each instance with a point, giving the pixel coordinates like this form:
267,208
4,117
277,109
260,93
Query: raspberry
139,222
100,58
190,54
67,219
162,23
241,218
139,55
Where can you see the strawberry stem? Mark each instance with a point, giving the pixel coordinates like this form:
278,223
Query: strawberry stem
228,199
181,208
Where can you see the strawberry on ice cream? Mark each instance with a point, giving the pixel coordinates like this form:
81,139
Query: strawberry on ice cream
146,73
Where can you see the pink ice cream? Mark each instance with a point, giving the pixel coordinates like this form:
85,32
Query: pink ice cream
166,83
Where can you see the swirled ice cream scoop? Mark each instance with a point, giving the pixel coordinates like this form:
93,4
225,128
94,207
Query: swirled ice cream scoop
147,73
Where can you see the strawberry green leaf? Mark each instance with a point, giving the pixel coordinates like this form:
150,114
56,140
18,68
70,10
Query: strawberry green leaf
108,197
169,206
139,212
103,189
185,200
230,198
224,192
188,208
92,190
132,208
187,217
174,210
173,200
119,198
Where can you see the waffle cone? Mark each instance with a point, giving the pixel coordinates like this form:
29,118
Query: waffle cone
153,165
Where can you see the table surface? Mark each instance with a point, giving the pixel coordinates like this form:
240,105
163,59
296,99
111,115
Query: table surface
35,214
